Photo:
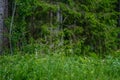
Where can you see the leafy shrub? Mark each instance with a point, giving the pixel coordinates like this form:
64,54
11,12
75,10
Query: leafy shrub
90,25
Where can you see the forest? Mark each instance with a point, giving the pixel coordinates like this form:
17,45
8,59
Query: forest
59,39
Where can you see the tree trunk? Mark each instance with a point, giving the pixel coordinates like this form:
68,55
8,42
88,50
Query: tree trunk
119,11
5,30
1,23
3,14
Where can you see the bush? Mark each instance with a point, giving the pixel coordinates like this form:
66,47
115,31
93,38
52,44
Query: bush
94,23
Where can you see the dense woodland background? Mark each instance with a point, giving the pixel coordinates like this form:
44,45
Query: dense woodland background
68,26
60,39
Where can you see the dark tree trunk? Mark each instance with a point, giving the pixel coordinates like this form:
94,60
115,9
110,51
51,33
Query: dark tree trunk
3,14
5,31
118,23
1,23
118,9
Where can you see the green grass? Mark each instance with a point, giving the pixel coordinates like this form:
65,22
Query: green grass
58,67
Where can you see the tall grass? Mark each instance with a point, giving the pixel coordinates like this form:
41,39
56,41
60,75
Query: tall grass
58,67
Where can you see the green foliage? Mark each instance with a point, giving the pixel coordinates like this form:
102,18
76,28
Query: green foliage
58,67
87,25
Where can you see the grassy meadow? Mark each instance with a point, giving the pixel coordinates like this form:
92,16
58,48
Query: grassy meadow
58,67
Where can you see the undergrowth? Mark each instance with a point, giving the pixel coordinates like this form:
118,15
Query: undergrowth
58,67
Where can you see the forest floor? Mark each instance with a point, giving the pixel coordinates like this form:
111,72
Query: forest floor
58,67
